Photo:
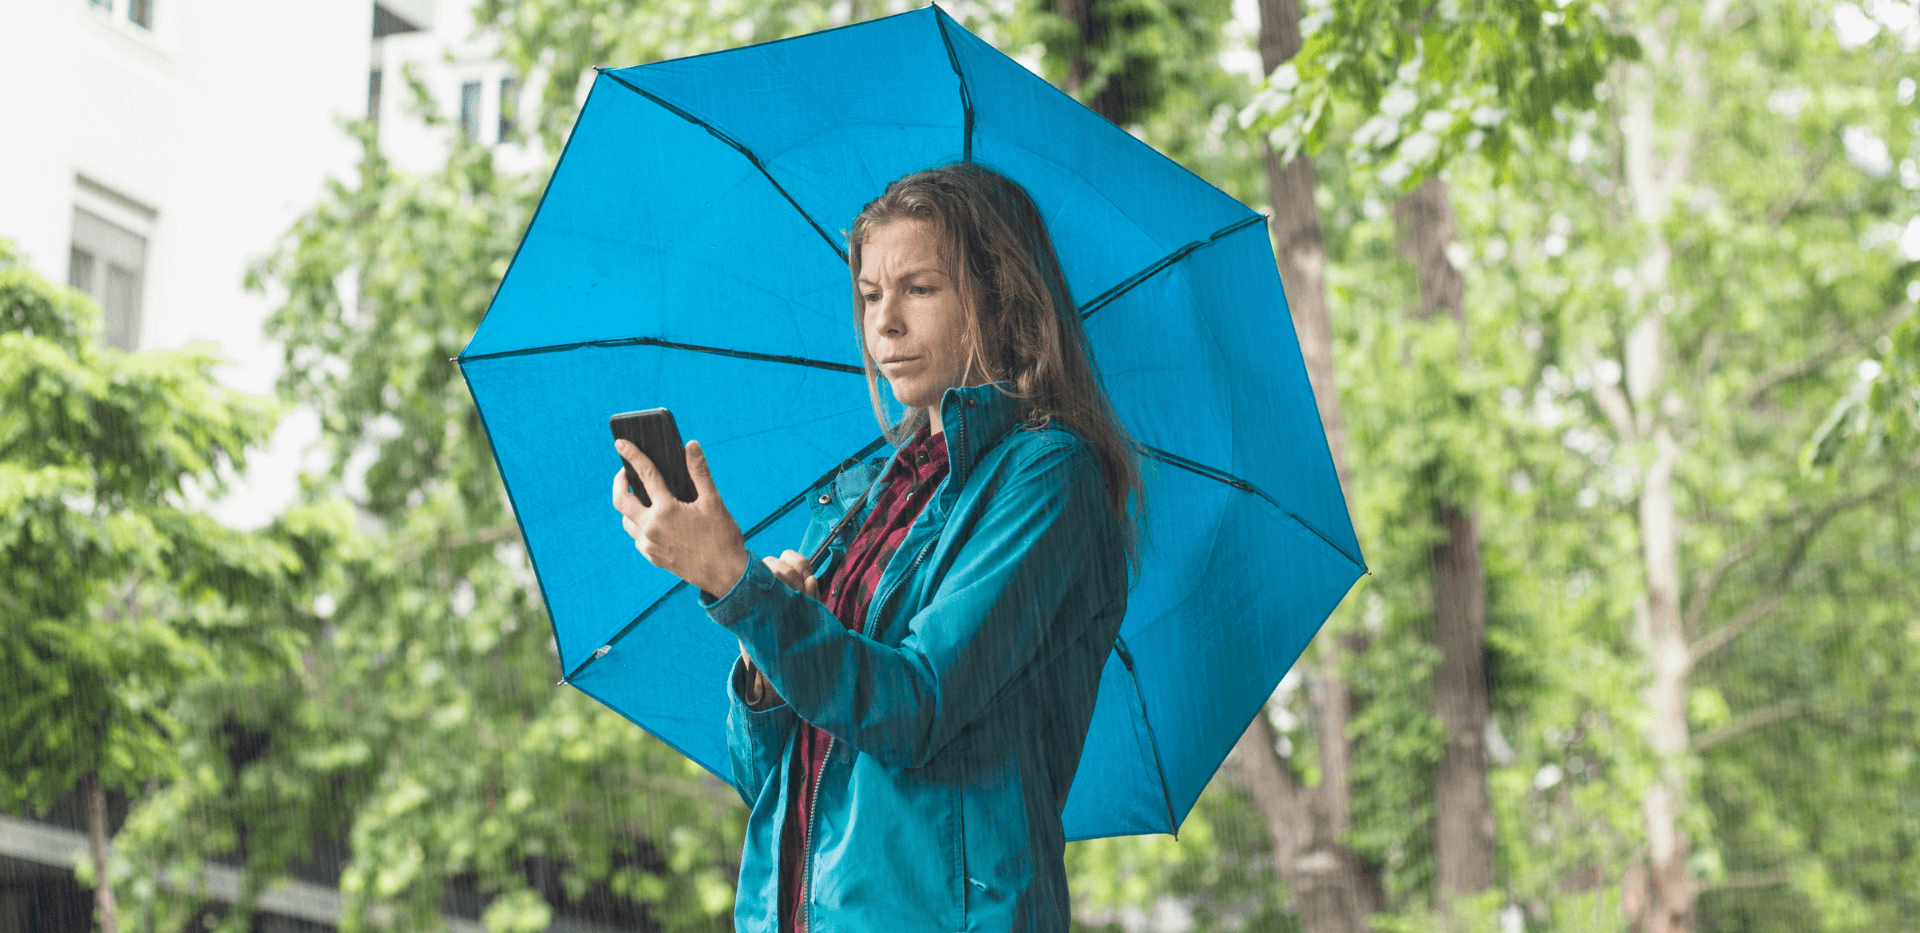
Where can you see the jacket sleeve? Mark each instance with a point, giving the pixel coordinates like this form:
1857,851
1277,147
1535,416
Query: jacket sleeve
755,739
997,608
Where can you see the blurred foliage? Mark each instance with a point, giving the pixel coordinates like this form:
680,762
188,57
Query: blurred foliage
1431,80
118,594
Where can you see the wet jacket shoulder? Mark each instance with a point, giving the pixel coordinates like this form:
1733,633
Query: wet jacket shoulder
959,709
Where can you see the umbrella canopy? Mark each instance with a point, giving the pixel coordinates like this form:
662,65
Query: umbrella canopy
689,253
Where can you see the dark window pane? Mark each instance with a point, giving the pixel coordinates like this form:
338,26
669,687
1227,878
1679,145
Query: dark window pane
373,96
470,109
112,261
140,12
509,107
80,270
122,306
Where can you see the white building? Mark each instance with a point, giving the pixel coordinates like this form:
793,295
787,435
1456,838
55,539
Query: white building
161,145
461,68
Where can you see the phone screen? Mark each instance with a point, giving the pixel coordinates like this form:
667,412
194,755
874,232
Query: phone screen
654,432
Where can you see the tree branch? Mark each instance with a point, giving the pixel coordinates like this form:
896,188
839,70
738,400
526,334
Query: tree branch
1807,177
1810,526
496,535
1764,716
1277,793
1703,594
1718,638
1613,403
1757,879
1786,372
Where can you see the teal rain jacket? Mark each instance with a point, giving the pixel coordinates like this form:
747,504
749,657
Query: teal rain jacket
958,713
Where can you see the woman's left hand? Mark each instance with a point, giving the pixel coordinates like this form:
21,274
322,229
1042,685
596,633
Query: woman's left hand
697,541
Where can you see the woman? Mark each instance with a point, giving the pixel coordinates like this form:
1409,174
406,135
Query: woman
907,735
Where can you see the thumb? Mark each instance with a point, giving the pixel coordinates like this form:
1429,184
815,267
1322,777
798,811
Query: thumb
702,474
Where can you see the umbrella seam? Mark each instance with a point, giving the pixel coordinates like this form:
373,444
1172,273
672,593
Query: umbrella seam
515,259
748,535
643,727
1222,476
1153,742
966,96
672,345
526,543
1129,283
737,146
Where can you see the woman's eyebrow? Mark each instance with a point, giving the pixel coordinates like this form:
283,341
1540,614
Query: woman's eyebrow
910,273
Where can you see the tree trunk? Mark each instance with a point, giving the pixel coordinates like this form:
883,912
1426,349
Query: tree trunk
1080,14
1660,894
97,838
1300,247
1463,828
1334,889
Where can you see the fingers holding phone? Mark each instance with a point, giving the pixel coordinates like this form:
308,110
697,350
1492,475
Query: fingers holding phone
696,540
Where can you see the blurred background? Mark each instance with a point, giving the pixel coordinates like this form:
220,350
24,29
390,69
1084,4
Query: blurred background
1609,309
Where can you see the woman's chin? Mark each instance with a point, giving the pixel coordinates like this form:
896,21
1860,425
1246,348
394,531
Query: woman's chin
911,398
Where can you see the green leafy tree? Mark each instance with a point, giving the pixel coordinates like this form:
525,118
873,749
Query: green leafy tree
118,596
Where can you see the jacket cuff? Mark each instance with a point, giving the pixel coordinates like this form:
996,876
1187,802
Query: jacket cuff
732,609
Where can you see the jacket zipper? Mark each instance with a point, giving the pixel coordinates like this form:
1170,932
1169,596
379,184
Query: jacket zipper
813,802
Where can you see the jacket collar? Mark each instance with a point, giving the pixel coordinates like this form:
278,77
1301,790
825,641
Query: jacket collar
975,419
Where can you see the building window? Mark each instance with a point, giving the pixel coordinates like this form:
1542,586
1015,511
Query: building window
140,13
509,107
109,262
373,96
102,5
470,109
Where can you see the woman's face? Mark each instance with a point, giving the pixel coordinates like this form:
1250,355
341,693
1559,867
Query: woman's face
914,319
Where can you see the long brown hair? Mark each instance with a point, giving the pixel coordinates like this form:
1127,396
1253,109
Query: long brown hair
1023,328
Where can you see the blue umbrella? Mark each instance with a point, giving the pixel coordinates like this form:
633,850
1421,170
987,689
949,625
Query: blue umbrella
689,253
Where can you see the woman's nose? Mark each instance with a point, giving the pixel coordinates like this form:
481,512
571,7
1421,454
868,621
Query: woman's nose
887,318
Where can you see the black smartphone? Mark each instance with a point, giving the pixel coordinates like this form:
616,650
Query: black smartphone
654,432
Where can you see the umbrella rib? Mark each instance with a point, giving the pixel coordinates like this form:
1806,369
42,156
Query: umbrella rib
671,345
1113,294
1153,742
720,135
966,96
758,527
1236,482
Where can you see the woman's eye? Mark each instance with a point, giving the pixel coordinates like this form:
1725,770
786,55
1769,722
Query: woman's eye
920,290
871,297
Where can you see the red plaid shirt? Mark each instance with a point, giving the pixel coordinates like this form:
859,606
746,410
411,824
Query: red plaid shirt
910,482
